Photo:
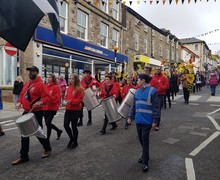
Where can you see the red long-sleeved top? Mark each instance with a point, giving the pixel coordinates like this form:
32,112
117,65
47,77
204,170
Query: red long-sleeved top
113,91
75,96
89,82
54,97
37,93
161,83
125,90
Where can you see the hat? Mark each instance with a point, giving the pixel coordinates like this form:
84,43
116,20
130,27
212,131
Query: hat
33,68
87,71
145,77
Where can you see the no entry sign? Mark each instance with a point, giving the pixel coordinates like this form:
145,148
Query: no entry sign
10,50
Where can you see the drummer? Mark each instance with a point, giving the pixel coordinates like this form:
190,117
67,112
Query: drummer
32,98
108,89
88,82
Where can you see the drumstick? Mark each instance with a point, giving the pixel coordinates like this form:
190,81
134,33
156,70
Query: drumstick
31,109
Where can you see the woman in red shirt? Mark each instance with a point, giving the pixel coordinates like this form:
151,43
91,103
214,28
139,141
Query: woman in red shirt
73,102
52,105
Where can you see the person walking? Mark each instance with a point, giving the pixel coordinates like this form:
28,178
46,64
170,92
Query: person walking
213,81
18,85
32,98
146,113
107,90
62,83
53,104
184,81
73,102
1,107
88,82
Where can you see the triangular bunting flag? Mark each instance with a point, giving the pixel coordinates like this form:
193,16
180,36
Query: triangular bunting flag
138,1
177,1
170,1
151,1
189,1
182,1
164,1
130,2
157,2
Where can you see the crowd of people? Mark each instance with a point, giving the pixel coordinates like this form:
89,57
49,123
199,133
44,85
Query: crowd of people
152,91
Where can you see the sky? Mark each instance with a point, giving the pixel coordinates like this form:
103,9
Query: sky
184,20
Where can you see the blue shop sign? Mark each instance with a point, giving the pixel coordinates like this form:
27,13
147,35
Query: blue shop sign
47,36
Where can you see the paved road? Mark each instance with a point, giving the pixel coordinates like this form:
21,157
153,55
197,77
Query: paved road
186,147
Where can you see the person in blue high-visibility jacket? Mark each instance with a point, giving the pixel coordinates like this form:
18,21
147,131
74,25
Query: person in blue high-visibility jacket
1,107
146,113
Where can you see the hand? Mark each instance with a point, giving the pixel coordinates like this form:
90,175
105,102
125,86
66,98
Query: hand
154,125
129,121
37,104
18,106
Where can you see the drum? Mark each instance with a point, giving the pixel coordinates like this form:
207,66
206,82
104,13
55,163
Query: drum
129,98
110,107
124,109
90,99
27,125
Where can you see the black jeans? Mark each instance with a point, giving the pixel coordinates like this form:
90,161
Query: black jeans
161,99
143,135
81,115
49,115
186,94
25,141
106,123
71,116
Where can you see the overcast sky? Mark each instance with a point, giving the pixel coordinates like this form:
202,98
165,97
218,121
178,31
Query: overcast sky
184,20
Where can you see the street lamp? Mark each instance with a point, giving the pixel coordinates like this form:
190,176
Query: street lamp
115,48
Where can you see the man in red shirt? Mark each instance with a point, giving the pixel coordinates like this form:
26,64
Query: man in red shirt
88,82
161,83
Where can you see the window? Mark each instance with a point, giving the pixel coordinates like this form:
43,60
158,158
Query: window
153,32
145,46
168,54
196,47
104,35
115,37
104,5
136,39
177,57
115,10
63,8
168,39
153,49
161,51
82,25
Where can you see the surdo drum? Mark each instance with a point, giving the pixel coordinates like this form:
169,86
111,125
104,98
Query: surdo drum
90,99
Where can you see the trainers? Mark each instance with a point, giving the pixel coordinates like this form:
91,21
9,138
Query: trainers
46,154
59,134
102,132
89,123
2,134
144,168
19,161
74,145
79,124
69,144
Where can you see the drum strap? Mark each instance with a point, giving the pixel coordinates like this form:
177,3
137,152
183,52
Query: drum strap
28,92
88,82
108,90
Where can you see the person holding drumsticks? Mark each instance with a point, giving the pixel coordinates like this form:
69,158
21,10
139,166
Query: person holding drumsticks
88,82
73,102
52,106
32,98
108,89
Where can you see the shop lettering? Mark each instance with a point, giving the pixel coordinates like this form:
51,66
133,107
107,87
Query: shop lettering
93,50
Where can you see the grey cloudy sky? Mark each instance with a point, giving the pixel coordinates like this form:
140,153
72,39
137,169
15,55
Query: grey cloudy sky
184,20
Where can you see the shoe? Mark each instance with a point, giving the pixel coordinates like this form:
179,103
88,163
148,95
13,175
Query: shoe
69,144
19,161
187,102
102,132
2,134
59,134
74,145
46,154
89,123
113,128
140,160
144,168
156,129
79,124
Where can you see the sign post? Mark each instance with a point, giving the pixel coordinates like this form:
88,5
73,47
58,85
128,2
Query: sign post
10,50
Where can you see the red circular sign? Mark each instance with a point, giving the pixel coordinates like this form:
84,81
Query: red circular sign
10,50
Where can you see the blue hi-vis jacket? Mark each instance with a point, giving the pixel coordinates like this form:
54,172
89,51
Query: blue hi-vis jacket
146,107
1,104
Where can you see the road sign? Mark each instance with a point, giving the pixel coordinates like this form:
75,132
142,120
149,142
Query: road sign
10,50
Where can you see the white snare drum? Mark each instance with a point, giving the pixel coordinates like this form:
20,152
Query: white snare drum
90,99
27,125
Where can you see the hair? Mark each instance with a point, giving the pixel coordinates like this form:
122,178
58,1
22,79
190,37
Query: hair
19,78
108,75
53,78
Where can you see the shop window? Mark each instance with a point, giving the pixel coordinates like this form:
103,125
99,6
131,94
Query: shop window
82,25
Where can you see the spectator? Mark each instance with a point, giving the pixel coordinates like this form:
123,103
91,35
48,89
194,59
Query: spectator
18,85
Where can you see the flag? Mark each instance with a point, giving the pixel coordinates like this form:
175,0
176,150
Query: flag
19,18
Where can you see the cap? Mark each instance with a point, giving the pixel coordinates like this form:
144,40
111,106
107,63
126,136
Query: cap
87,71
145,77
33,68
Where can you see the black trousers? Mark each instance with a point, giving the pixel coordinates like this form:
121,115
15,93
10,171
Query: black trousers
143,135
161,99
81,115
49,115
25,141
186,94
106,123
71,116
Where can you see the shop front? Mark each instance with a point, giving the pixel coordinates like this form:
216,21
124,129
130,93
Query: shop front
75,56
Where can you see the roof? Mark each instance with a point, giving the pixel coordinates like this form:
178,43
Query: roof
192,41
189,51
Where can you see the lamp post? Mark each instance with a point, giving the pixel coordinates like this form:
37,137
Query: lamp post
115,48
